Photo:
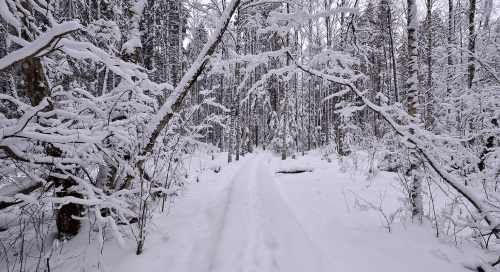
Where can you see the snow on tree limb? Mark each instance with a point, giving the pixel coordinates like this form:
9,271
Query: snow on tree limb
42,45
163,116
296,19
130,49
421,147
485,65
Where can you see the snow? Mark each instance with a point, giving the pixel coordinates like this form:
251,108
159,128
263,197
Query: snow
295,19
7,16
9,220
158,121
247,218
134,35
39,45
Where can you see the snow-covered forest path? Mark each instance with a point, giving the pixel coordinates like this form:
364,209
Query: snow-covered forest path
248,217
259,233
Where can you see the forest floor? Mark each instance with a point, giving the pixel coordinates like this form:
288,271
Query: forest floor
248,217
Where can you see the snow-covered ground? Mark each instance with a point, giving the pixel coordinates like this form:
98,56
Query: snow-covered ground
247,217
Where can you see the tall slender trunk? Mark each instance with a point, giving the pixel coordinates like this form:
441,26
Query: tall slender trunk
285,120
237,148
412,86
393,54
309,82
232,125
236,99
428,104
297,131
237,91
223,100
472,42
309,110
448,47
326,115
174,40
285,108
488,6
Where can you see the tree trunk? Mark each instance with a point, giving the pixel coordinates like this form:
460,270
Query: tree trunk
472,42
37,87
236,84
238,128
285,108
488,6
174,40
235,127
231,130
393,54
412,86
448,47
428,102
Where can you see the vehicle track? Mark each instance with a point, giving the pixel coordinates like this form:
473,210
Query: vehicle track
258,231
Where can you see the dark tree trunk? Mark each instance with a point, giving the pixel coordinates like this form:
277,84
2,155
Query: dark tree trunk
429,110
393,54
472,42
37,87
448,48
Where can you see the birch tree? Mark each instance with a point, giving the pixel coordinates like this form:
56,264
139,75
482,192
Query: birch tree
412,86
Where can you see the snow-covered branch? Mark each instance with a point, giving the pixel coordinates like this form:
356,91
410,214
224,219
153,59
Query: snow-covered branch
41,46
174,101
411,133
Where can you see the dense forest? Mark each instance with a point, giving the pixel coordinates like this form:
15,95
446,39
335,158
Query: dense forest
101,102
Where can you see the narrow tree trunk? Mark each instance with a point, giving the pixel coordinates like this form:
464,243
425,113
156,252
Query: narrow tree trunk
448,47
285,108
412,85
174,40
309,110
393,54
488,6
221,129
236,84
285,120
231,130
238,128
309,82
326,115
297,131
472,42
236,99
428,102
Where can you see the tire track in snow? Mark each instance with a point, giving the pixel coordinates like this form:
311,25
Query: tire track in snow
258,232
237,223
293,250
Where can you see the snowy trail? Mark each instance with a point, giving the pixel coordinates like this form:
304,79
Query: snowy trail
259,233
248,218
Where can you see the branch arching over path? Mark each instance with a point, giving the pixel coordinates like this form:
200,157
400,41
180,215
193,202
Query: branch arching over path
418,145
167,111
